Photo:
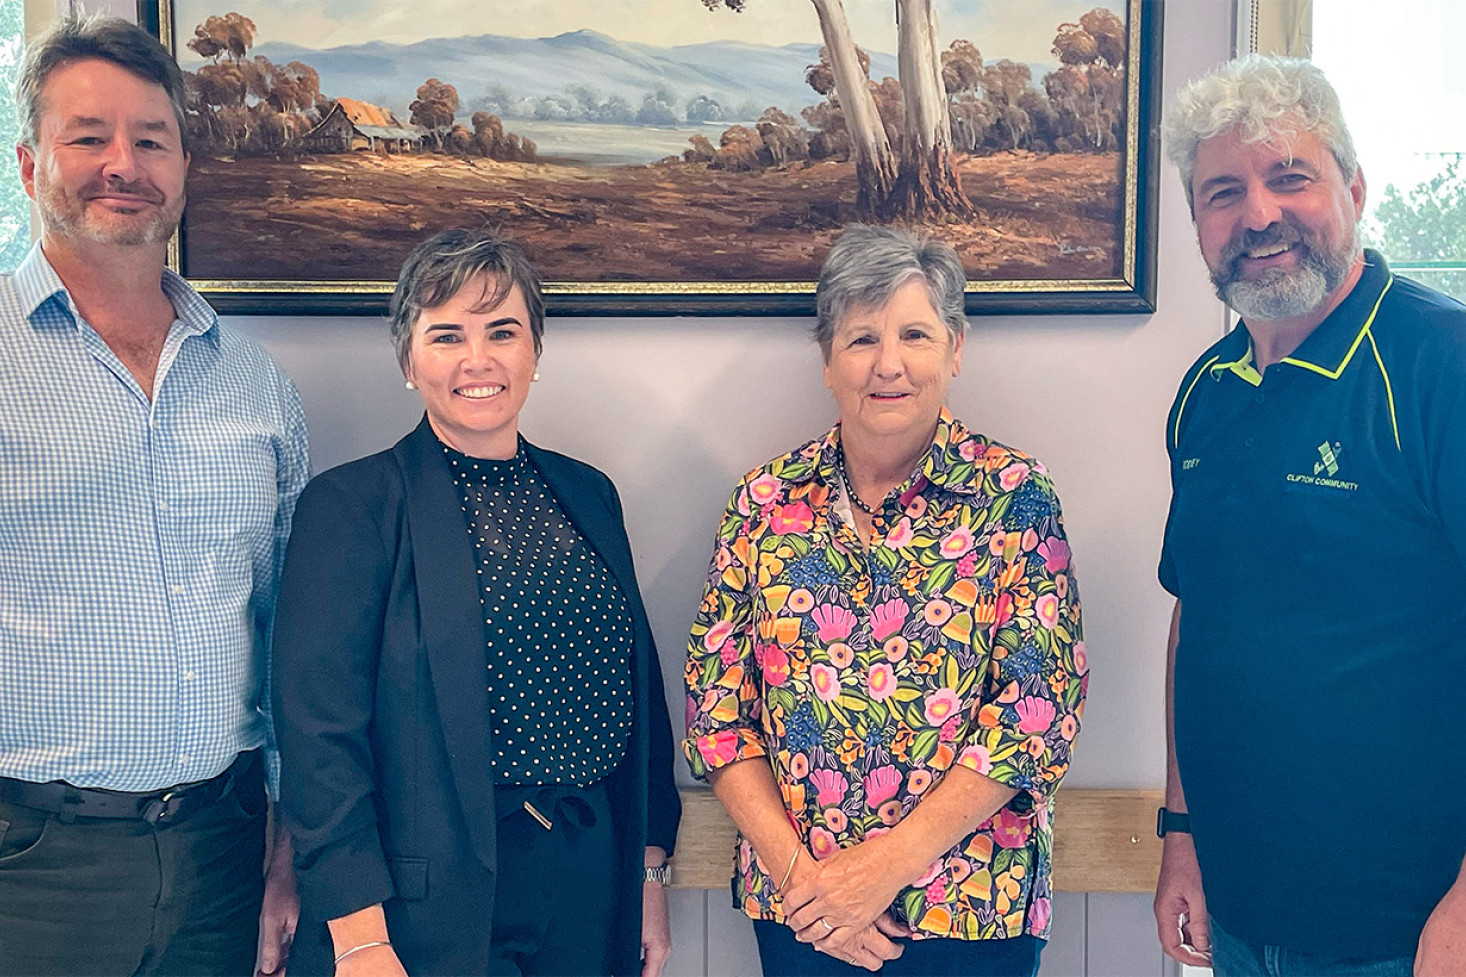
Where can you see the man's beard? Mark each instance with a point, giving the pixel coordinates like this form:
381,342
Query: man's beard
1277,293
67,214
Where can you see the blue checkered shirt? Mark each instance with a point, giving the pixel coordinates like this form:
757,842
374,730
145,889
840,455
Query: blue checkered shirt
140,542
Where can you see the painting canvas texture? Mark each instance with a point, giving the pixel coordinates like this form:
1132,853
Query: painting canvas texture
658,150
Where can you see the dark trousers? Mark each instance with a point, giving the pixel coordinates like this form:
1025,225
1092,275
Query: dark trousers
554,901
121,897
784,956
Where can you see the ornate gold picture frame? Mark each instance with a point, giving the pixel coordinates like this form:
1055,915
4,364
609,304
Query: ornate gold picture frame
697,157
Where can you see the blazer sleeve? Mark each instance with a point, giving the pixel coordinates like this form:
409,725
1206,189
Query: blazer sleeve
664,803
328,633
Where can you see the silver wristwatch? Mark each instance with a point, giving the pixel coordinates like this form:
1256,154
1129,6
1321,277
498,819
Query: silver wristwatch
660,874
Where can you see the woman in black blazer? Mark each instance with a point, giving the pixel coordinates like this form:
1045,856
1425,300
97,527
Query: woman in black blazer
476,755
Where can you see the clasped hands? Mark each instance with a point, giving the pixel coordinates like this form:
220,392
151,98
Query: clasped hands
841,905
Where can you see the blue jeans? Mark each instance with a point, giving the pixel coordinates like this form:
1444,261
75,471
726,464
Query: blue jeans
784,956
1234,957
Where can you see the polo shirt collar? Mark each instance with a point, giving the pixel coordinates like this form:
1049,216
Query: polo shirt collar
1329,349
36,283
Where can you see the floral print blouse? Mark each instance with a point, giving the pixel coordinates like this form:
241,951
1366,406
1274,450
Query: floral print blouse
862,675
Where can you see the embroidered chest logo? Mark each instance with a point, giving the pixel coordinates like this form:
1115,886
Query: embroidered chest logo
1329,453
1324,470
1189,463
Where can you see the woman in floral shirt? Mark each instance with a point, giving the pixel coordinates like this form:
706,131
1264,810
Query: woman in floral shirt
887,672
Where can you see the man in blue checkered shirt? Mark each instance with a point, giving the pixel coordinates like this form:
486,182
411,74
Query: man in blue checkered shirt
149,464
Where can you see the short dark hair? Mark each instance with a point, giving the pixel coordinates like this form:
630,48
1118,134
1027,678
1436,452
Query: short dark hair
110,39
441,266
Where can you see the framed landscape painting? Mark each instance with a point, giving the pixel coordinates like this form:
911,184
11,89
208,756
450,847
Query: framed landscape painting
667,156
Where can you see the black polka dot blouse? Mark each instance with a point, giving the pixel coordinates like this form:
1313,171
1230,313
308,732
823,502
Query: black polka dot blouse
557,627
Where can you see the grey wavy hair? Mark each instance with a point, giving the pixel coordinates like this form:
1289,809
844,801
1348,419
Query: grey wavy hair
440,267
868,264
1266,99
101,38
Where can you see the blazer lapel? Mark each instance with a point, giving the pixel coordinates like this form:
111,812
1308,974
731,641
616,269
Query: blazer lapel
452,632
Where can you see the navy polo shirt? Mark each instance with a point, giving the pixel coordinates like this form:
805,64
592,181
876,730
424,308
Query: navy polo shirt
1317,543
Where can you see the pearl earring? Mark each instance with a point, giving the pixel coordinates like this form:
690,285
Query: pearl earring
535,377
410,385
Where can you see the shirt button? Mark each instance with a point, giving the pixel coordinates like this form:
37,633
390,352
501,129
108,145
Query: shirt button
1247,442
162,504
1260,397
185,758
178,589
190,675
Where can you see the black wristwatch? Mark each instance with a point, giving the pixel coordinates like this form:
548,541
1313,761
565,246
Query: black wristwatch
1172,822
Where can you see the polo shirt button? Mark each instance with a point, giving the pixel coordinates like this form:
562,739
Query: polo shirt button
1260,397
1247,442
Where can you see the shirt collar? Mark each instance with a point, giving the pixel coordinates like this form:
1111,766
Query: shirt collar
935,468
37,283
1327,350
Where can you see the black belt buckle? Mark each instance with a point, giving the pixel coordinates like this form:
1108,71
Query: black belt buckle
160,809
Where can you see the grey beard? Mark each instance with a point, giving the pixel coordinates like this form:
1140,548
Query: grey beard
1284,295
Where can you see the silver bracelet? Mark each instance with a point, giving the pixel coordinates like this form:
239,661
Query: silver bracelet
365,946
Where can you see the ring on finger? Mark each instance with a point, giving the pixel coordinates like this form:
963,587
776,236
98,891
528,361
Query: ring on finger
826,923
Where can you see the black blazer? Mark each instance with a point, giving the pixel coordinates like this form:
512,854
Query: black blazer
381,709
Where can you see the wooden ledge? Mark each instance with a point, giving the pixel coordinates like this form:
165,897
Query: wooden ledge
1104,841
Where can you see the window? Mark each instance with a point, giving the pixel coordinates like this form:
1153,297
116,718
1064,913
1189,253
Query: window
15,206
1395,69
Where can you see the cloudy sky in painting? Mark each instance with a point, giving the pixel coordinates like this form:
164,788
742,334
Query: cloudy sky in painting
1020,30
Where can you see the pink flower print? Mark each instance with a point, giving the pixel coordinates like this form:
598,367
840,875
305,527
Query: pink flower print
718,749
1038,915
1047,608
937,890
948,733
835,819
829,787
792,517
1012,476
895,648
915,506
918,780
967,565
1004,611
776,666
826,681
800,601
881,785
976,758
1030,540
968,449
1034,714
799,766
880,682
941,704
1055,553
937,612
932,871
886,619
900,536
762,490
1081,658
958,542
841,654
822,843
890,813
1009,829
717,634
835,622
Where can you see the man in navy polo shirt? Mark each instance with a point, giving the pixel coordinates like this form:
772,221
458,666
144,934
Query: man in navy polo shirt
1316,546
